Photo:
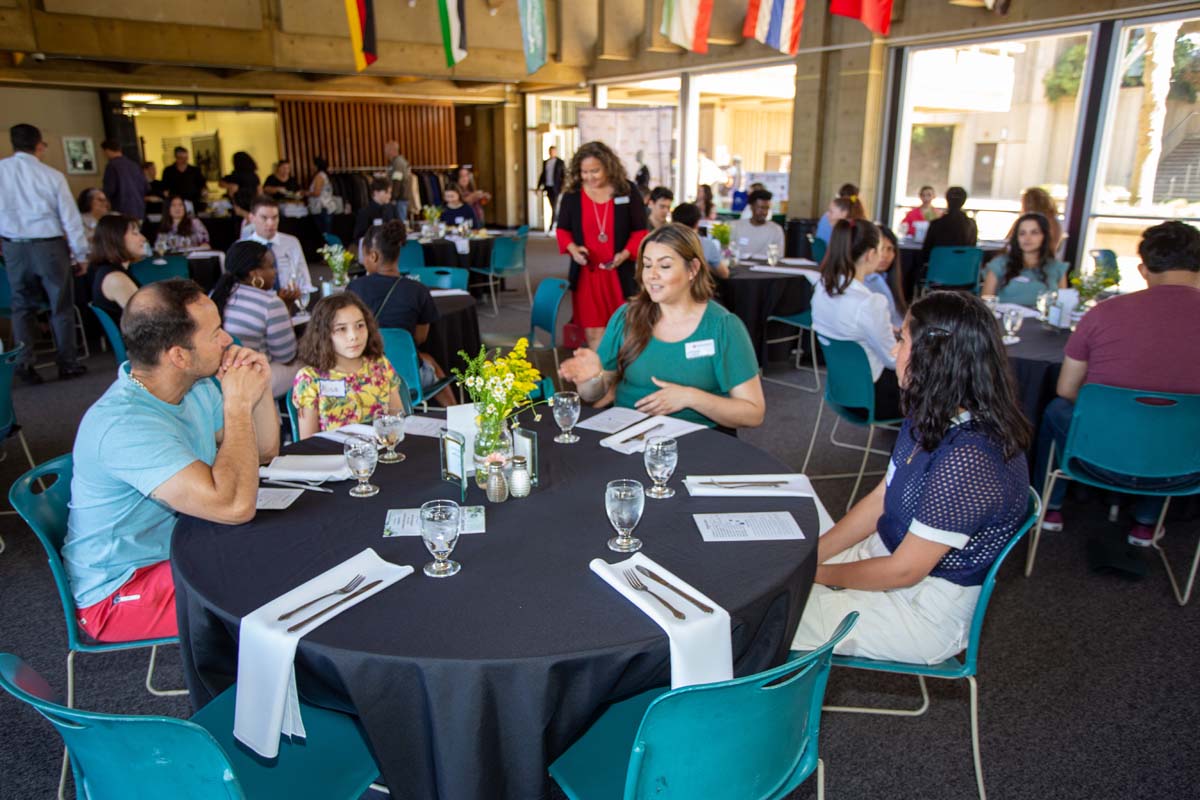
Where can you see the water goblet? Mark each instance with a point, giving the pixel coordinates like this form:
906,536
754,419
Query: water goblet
566,414
772,254
1044,302
361,457
660,456
992,302
439,531
624,500
389,432
1013,319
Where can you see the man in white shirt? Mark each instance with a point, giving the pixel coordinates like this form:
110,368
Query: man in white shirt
291,268
43,235
751,236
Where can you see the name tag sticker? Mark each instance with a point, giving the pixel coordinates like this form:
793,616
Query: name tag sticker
333,388
744,240
891,472
700,349
620,201
1021,279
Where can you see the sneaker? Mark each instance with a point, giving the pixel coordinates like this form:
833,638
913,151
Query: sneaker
29,375
68,371
1053,521
1142,535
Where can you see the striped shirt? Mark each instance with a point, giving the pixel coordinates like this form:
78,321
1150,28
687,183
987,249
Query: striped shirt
260,320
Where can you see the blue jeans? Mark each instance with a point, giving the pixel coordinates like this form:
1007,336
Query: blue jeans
402,210
1056,423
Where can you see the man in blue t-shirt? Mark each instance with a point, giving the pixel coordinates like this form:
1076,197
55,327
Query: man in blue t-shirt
164,440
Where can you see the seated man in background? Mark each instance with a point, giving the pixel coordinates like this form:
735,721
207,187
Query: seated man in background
952,229
751,237
381,209
292,277
689,214
163,440
659,208
1144,340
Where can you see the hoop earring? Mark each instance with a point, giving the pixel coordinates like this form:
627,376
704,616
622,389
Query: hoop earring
257,282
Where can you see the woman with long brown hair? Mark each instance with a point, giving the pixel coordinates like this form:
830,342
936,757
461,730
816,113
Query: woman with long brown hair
1036,200
601,222
671,328
117,243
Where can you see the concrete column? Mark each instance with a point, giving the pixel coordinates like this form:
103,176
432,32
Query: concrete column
688,174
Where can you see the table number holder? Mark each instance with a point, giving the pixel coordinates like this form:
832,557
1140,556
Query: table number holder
525,444
452,449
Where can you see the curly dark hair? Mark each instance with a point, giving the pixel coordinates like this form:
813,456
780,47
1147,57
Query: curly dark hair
957,361
1015,263
316,345
614,170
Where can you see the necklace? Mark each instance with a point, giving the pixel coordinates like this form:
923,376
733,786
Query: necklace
133,379
602,224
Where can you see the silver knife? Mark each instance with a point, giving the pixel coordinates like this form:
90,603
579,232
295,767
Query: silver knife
327,609
290,485
654,577
641,435
741,484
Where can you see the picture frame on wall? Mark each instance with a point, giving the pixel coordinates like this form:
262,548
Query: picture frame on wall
206,154
80,153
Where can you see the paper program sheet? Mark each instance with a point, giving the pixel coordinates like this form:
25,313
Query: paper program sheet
757,526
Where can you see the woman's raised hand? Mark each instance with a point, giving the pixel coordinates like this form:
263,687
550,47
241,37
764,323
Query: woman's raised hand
580,367
579,254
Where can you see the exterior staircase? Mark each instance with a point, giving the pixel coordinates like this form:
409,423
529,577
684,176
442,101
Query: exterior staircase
1179,173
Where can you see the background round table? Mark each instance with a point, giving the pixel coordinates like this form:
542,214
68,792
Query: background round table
468,687
754,296
443,253
1036,361
457,328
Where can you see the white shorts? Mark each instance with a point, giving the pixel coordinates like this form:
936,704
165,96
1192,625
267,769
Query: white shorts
923,624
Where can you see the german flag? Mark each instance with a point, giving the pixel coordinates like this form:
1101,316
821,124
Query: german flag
360,14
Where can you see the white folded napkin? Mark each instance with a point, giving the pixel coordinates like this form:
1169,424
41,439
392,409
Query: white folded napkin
803,272
447,292
267,703
316,469
701,649
666,426
798,485
798,262
355,430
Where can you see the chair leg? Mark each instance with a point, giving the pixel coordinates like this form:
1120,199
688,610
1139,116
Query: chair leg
66,760
82,335
813,439
861,467
975,735
820,779
1051,479
799,339
890,712
1,544
850,445
1182,597
150,679
493,283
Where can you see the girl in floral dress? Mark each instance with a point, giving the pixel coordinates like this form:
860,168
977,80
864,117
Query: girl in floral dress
347,378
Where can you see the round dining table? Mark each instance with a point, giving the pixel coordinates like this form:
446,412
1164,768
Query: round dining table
456,328
1036,361
753,296
468,687
444,253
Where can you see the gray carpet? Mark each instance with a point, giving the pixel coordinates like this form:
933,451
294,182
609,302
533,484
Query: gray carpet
1083,676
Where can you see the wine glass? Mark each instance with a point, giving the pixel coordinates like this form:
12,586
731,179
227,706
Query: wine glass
1044,301
566,414
1013,319
361,457
624,500
992,302
660,456
439,531
772,254
389,432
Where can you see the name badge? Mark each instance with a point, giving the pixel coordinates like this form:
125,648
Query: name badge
378,221
700,349
332,388
744,240
620,201
891,471
1021,279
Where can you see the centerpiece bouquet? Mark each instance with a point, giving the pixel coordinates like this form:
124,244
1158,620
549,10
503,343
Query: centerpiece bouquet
339,259
721,233
431,214
1096,282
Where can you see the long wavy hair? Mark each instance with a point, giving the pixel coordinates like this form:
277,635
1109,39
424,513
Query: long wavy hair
894,268
642,313
1016,257
850,241
614,170
243,258
185,225
316,345
957,361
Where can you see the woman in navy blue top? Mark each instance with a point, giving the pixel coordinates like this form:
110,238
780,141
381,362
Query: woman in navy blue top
910,556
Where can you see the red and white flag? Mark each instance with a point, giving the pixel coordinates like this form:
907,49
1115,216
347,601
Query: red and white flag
775,23
685,23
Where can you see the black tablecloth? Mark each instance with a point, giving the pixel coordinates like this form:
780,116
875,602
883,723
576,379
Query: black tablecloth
457,328
1036,361
205,271
443,253
468,687
754,296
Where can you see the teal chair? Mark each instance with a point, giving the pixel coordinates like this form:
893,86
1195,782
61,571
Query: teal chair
401,350
1106,260
8,415
1155,428
508,258
543,391
442,277
953,268
112,332
850,392
412,257
747,738
542,316
819,246
333,240
114,755
802,322
146,271
952,668
46,513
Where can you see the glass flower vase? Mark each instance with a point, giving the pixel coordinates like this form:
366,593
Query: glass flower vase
493,444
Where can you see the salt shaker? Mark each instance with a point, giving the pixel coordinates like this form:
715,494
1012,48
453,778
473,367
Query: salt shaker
519,484
497,487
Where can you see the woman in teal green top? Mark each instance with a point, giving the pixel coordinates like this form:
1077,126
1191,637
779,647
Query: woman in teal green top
670,350
1028,267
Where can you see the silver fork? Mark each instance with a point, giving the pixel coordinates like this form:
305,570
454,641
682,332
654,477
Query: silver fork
354,583
636,583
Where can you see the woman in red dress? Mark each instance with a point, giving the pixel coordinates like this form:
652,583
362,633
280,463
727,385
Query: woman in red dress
601,223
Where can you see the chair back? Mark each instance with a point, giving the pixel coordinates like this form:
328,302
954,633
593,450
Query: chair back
333,239
293,416
442,277
955,266
1153,426
819,246
401,350
111,331
8,366
750,737
1032,510
848,382
546,301
507,255
522,231
45,511
543,391
412,256
121,756
5,292
146,271
1105,259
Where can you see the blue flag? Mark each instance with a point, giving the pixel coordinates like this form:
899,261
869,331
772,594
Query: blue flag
533,33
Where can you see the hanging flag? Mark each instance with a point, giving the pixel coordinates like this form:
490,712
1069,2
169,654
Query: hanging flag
685,23
360,14
454,30
775,23
875,14
533,33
